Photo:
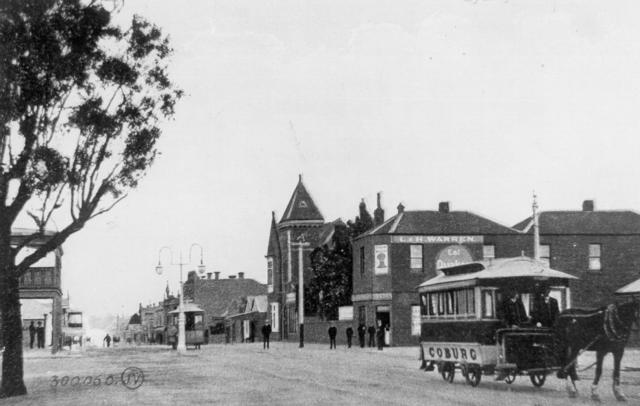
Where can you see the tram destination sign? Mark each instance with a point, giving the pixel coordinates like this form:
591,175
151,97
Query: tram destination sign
437,239
457,352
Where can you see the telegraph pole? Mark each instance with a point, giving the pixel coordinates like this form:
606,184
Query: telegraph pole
301,246
536,229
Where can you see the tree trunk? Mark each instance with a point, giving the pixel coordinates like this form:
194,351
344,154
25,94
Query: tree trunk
12,362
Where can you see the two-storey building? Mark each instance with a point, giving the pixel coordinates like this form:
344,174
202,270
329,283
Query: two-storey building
392,259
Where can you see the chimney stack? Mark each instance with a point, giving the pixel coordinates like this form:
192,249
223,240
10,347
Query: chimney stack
588,205
400,208
378,213
443,207
209,275
240,275
217,275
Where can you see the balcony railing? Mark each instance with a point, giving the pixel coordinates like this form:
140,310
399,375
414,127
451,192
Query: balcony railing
39,278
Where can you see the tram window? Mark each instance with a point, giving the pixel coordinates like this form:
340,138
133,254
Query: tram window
471,302
487,304
433,304
450,303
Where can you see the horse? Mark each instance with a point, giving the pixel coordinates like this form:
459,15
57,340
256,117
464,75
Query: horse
602,330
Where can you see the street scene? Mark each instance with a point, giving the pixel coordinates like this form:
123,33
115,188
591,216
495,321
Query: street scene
242,202
285,375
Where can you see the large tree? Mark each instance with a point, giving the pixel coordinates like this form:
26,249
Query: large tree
81,100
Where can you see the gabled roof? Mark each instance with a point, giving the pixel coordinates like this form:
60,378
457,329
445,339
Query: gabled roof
301,206
439,223
218,297
584,222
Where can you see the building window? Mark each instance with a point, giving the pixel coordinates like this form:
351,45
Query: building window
270,274
416,257
362,315
488,251
594,257
545,254
361,261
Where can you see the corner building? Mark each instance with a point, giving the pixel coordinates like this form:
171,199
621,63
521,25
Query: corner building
392,259
301,229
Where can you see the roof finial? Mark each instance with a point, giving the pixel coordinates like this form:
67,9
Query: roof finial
300,177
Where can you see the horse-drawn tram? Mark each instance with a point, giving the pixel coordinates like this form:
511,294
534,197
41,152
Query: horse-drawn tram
467,323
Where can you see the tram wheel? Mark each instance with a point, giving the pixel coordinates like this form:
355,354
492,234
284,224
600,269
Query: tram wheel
448,372
537,378
473,376
511,378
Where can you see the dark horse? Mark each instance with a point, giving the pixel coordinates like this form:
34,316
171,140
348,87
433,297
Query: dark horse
601,330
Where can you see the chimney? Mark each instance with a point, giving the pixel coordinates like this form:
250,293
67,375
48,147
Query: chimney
378,213
443,207
217,275
232,276
209,275
588,205
240,275
400,208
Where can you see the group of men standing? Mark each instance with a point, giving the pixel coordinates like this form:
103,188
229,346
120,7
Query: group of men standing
544,312
375,335
36,333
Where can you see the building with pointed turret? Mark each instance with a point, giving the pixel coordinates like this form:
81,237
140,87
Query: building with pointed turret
301,229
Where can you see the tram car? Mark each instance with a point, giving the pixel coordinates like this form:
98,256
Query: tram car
194,326
463,327
73,332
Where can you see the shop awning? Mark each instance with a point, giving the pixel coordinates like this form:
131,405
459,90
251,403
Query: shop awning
631,289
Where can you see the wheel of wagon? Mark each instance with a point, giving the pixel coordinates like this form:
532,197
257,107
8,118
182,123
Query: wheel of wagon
538,378
448,372
511,378
474,374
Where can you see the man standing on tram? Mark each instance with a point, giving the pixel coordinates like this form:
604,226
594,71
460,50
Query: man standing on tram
514,313
545,309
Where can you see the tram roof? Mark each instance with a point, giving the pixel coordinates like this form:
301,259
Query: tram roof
502,268
632,288
188,307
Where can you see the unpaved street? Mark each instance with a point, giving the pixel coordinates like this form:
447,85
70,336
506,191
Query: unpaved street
244,374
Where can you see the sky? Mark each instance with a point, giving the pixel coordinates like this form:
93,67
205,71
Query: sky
478,103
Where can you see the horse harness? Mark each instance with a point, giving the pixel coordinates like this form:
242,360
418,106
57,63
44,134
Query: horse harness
611,318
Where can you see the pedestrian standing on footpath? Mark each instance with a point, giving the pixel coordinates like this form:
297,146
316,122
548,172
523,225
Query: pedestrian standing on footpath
372,335
266,332
380,335
333,331
349,335
362,331
32,334
107,339
40,335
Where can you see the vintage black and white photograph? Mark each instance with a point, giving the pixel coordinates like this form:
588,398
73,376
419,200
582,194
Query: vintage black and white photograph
319,202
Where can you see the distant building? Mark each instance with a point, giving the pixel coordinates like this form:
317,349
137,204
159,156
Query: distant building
601,247
392,259
152,321
301,223
246,325
40,294
220,298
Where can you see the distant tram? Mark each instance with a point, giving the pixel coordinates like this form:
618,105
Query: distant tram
194,326
72,329
462,326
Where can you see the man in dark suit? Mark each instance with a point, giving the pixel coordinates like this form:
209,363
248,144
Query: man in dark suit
514,312
545,309
349,335
362,331
333,331
266,332
32,334
372,336
40,335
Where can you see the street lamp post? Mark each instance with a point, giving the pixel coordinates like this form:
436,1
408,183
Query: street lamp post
301,245
181,347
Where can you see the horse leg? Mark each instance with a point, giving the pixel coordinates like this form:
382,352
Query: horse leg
570,374
594,387
617,357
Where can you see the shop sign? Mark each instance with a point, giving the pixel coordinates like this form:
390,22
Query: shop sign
381,259
453,255
438,239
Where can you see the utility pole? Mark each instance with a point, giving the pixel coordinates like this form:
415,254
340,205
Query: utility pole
536,229
301,245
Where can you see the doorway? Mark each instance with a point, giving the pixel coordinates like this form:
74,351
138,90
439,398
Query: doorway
383,313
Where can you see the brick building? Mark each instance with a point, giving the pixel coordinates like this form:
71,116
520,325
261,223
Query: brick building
301,229
393,258
600,247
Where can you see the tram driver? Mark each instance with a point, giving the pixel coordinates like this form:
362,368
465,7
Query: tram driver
545,308
514,313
